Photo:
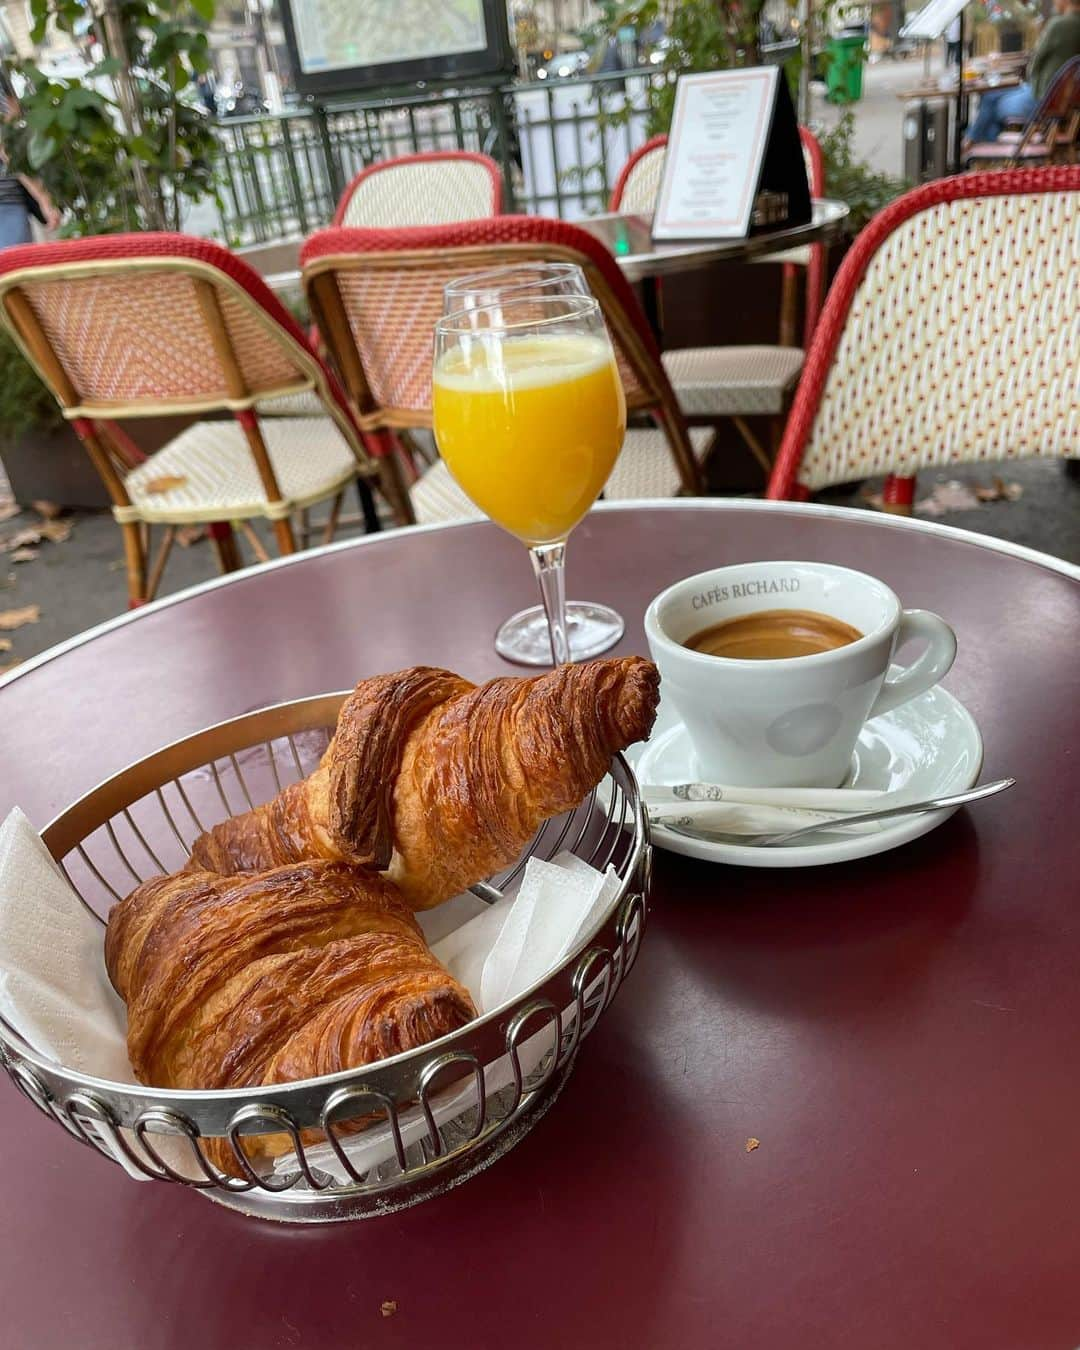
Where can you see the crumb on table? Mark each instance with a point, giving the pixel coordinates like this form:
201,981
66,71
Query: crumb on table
388,1307
752,1144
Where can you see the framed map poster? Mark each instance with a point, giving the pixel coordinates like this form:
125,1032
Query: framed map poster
346,46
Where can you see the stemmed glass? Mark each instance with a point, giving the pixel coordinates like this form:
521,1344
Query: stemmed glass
591,627
529,415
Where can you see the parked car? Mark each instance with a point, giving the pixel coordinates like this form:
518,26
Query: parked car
565,66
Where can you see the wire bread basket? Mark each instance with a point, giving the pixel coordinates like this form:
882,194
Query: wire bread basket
440,1112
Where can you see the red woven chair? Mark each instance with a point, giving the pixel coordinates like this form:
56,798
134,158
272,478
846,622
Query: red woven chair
638,184
950,334
376,295
130,326
437,188
1051,134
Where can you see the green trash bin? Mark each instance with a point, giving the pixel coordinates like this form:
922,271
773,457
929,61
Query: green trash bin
843,79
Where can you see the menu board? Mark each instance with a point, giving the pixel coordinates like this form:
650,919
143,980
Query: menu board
716,148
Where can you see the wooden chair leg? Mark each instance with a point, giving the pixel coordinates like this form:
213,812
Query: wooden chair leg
254,541
135,556
286,540
898,496
391,479
756,448
330,529
674,428
162,558
789,306
372,523
224,542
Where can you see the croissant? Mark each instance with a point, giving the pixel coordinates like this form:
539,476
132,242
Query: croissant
291,973
438,782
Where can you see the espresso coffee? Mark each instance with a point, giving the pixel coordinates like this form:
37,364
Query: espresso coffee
774,635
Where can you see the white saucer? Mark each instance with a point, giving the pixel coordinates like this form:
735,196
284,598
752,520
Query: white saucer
925,748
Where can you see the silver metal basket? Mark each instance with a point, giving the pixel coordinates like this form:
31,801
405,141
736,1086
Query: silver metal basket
447,1109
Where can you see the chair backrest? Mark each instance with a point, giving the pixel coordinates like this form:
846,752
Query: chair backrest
814,161
438,188
949,334
1057,118
638,184
376,295
133,325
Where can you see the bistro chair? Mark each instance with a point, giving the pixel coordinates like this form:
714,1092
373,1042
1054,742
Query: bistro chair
950,334
1051,135
133,326
376,295
436,188
638,186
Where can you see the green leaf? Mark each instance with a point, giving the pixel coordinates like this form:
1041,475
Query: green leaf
40,150
142,149
204,9
110,66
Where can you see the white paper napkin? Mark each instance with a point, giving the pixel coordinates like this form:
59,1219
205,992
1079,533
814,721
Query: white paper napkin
53,987
55,993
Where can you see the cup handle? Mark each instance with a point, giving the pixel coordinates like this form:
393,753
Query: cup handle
928,669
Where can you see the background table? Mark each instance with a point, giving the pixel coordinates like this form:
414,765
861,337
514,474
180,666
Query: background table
630,239
899,1032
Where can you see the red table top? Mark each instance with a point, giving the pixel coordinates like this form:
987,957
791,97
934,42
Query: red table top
898,1032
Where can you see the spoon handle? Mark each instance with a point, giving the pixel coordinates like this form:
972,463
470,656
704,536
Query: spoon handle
910,809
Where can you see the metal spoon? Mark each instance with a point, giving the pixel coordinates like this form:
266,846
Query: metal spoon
910,809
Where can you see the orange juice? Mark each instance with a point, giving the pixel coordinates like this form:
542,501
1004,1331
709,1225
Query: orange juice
530,428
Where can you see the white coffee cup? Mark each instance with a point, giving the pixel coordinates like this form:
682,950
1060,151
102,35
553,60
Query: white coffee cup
791,722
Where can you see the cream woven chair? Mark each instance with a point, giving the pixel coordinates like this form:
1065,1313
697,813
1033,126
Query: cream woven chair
376,295
129,326
950,334
438,188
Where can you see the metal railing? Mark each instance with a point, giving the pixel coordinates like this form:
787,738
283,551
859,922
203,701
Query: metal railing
560,147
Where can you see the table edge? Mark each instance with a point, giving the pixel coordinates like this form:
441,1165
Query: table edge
822,510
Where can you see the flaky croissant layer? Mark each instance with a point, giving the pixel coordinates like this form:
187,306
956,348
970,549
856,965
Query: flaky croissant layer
438,782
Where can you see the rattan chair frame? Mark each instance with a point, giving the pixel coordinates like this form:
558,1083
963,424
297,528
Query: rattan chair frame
653,396
113,452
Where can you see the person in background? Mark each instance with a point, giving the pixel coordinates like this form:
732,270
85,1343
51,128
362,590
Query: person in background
1059,42
20,197
952,43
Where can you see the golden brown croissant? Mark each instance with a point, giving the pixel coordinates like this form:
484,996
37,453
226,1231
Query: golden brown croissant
267,978
439,782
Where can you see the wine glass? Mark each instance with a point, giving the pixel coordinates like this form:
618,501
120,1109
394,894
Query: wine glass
529,416
592,628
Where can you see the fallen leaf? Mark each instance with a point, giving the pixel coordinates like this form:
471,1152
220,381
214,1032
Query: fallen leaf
50,510
946,497
6,644
388,1307
999,491
165,483
752,1144
15,618
10,666
20,539
9,509
187,535
22,555
56,530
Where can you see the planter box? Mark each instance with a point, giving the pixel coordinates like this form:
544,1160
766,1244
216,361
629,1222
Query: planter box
53,466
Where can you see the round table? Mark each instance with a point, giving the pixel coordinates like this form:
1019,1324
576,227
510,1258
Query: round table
897,1032
639,256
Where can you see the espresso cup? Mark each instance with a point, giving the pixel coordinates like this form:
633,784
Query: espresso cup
791,722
